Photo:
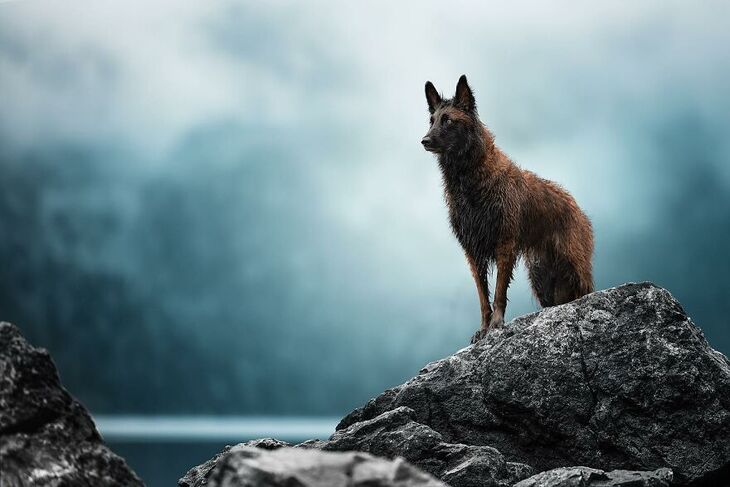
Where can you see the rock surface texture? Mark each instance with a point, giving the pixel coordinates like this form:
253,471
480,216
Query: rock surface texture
591,477
47,438
620,380
247,465
396,432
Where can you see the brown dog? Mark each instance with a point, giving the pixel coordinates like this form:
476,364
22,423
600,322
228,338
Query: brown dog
500,212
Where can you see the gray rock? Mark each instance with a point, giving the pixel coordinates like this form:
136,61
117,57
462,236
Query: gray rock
619,379
591,477
198,474
396,433
47,438
244,465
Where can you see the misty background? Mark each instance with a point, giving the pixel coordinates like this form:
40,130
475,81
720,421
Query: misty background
224,207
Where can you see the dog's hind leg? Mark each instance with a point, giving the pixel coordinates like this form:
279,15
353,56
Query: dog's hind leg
541,271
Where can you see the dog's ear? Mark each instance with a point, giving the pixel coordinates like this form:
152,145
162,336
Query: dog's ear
464,98
432,97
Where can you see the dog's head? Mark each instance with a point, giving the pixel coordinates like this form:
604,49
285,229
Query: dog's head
453,121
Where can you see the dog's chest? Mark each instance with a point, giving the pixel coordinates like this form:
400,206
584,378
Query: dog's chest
475,216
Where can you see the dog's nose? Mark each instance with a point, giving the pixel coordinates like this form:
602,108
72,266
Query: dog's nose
426,141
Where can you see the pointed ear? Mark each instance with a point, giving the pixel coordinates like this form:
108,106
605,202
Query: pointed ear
464,98
432,97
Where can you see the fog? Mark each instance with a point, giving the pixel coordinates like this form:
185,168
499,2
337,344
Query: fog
224,207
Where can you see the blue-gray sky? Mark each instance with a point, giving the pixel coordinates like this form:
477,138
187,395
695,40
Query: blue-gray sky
251,175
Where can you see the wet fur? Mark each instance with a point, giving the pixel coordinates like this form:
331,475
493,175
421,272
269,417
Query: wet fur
500,212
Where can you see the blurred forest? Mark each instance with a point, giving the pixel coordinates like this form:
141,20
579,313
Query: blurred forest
150,302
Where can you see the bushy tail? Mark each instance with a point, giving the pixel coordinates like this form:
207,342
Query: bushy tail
555,280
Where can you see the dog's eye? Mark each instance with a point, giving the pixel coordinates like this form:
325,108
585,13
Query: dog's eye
445,119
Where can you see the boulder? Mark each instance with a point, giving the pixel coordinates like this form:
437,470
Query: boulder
393,434
619,379
47,438
283,466
396,433
591,477
197,475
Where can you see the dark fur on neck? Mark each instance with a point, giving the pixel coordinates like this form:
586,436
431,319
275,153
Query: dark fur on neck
472,156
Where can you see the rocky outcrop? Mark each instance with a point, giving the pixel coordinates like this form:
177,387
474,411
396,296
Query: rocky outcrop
392,435
620,380
198,475
591,477
47,438
276,465
396,432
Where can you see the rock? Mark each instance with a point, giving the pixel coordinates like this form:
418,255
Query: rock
245,465
197,475
396,433
591,477
47,438
619,379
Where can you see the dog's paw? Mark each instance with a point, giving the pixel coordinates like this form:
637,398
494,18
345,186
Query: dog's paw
497,321
481,333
